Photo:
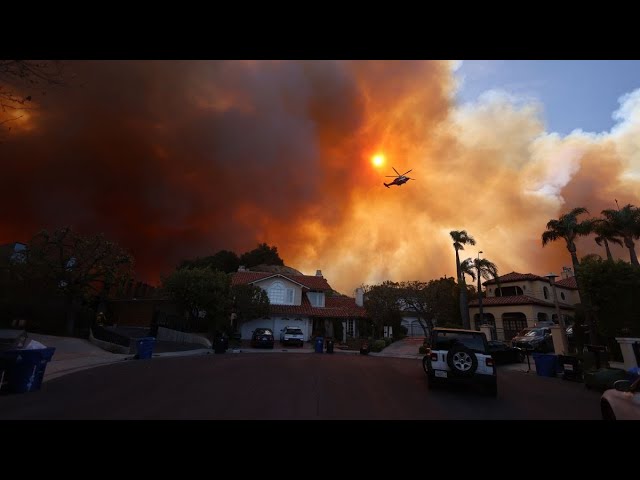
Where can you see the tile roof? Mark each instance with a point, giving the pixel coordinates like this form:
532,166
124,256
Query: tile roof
519,277
335,307
569,282
516,277
311,282
515,300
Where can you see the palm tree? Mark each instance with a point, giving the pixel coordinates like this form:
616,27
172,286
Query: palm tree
460,239
480,268
606,233
626,222
569,228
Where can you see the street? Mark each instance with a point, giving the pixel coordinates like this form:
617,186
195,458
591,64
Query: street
256,386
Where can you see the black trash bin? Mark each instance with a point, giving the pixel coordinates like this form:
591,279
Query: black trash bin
571,367
220,344
23,370
601,355
329,346
364,348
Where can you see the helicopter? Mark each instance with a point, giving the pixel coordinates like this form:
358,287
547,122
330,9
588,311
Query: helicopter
399,179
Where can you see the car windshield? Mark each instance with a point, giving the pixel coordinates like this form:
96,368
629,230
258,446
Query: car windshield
474,342
535,332
263,331
293,331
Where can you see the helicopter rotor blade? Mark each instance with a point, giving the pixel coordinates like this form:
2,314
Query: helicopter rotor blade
407,172
396,171
392,176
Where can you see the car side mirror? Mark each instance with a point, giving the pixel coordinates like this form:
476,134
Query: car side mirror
622,385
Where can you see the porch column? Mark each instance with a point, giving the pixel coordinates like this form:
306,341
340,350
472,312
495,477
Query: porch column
628,355
344,330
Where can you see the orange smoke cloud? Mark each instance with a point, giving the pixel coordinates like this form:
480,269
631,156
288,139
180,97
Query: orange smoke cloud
179,159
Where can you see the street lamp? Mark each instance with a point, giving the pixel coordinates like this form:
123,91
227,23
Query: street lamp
563,332
481,313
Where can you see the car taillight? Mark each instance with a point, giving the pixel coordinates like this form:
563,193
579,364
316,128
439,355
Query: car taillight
434,357
490,362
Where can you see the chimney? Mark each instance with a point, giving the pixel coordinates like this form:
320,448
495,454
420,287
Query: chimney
360,297
241,268
318,273
566,272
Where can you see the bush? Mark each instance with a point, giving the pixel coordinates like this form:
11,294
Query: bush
378,345
388,341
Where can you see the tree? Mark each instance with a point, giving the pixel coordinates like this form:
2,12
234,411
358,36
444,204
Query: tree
262,254
223,260
21,80
606,233
435,302
480,268
626,223
569,228
382,305
74,266
249,302
460,239
201,291
613,288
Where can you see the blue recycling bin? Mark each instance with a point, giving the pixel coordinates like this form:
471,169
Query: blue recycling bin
144,347
22,371
319,344
546,364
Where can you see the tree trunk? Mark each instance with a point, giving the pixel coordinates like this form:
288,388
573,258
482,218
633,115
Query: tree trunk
584,298
628,242
606,246
71,316
464,307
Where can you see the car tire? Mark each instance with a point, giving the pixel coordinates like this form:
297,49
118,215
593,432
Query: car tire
431,382
607,411
462,361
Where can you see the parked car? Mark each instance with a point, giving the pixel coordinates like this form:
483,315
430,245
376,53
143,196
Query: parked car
502,353
621,402
292,335
262,337
535,340
460,356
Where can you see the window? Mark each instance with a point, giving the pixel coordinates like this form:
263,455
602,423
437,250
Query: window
508,291
545,291
562,295
316,298
350,328
279,295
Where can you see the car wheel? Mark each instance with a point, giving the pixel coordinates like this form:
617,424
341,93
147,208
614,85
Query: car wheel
607,411
431,382
462,361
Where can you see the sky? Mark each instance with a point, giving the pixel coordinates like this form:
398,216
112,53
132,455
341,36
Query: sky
177,159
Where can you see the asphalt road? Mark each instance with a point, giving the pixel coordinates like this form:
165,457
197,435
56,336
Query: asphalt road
291,386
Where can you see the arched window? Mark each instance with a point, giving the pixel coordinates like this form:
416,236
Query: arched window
279,295
508,291
545,291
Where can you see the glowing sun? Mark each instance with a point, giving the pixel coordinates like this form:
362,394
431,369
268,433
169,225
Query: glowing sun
378,160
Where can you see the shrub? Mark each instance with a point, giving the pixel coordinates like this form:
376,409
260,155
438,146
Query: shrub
388,341
378,345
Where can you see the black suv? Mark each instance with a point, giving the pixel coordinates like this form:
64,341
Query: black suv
460,356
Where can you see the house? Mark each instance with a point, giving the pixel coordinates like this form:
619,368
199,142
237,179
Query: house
522,300
304,301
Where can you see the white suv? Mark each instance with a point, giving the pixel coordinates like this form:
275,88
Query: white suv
460,356
292,335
